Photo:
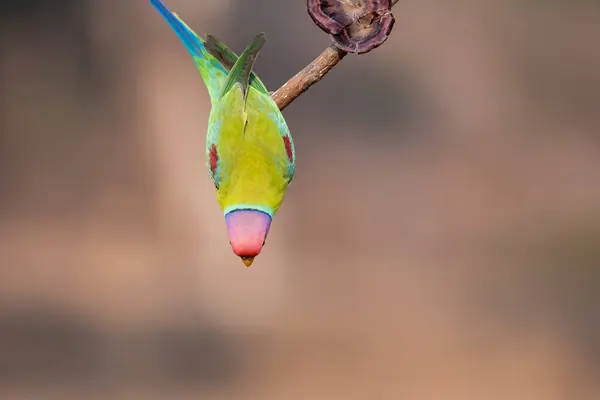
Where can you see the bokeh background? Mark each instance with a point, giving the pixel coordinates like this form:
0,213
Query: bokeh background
441,239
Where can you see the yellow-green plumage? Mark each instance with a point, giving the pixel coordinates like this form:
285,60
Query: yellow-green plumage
249,149
253,158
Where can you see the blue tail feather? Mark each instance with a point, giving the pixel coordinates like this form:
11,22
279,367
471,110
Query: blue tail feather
189,39
212,71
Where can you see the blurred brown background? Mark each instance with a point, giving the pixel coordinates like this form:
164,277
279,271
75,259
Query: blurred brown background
441,239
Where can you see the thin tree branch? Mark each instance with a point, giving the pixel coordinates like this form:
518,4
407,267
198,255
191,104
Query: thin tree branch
310,75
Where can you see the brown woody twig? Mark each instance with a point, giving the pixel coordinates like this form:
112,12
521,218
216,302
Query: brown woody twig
309,75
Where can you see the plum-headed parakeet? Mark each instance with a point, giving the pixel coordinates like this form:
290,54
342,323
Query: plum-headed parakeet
250,153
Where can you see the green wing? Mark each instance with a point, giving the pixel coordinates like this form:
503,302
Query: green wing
228,58
242,69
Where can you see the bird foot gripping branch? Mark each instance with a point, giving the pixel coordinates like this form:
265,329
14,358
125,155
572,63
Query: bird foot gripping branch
250,153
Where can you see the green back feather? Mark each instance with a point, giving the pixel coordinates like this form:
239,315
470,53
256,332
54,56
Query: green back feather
227,58
240,73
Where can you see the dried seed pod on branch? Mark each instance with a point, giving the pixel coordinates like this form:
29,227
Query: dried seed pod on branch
355,26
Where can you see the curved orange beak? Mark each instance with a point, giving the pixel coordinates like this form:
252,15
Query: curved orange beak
247,261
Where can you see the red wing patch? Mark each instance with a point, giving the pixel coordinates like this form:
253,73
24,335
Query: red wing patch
288,148
214,159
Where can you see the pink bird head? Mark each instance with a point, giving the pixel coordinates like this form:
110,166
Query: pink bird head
248,230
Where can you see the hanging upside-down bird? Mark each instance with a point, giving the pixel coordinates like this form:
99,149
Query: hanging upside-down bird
250,153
